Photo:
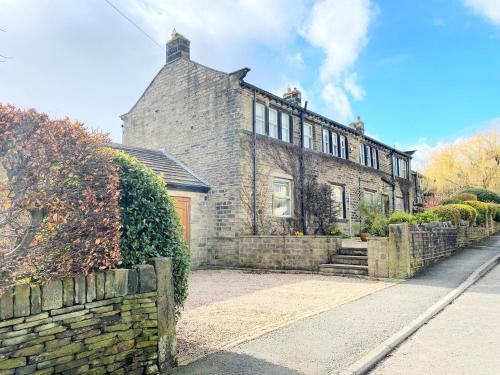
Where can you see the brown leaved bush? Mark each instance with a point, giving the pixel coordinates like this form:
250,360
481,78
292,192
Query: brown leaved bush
59,202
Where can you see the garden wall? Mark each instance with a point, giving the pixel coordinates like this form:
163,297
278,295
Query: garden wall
410,248
119,321
274,252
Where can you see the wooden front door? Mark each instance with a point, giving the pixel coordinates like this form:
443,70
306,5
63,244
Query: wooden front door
183,208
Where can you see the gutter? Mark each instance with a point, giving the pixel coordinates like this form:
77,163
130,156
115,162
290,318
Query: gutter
302,171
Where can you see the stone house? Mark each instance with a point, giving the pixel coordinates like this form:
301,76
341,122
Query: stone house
258,152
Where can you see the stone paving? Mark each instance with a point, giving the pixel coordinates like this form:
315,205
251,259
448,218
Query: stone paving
227,307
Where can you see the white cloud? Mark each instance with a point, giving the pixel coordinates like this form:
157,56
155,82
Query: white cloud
337,98
295,59
221,29
352,87
489,9
340,29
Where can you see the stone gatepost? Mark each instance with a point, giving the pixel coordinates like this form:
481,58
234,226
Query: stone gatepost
378,257
399,256
167,342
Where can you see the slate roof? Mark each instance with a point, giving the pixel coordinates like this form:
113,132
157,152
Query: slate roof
177,176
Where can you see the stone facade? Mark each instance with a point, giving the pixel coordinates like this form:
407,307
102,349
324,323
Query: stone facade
205,119
120,322
276,252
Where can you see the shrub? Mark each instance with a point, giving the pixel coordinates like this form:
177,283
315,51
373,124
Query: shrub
484,195
467,212
465,197
426,217
451,201
379,227
150,225
398,217
483,211
334,231
59,205
447,213
497,213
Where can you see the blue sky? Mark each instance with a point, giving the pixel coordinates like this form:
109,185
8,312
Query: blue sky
419,73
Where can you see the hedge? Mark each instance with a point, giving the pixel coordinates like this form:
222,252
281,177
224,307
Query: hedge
447,213
483,211
465,197
484,195
426,217
150,225
467,212
398,217
451,201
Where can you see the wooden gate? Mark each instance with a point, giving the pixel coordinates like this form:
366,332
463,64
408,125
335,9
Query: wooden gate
183,208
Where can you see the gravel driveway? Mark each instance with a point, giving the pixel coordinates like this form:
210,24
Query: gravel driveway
228,307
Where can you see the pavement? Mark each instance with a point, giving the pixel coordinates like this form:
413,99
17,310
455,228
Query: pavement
463,339
329,342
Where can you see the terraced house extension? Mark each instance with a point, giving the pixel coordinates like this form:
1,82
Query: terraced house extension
257,152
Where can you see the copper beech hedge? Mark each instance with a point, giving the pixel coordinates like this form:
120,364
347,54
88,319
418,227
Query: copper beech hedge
59,204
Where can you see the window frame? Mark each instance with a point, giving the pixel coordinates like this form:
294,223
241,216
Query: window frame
289,197
258,105
271,109
310,137
374,158
343,146
362,154
335,144
282,116
326,146
342,209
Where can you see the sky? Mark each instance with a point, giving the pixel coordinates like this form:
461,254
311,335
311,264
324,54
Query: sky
419,73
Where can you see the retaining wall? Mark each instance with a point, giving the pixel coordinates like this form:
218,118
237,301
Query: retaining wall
275,252
410,248
119,321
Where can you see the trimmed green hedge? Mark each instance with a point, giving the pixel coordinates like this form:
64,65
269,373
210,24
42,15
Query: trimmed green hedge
447,213
398,217
150,224
484,195
466,212
483,210
426,217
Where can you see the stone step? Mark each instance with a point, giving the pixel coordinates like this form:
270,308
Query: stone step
352,251
344,269
358,260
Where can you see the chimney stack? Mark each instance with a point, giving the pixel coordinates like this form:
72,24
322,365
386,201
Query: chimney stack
294,96
358,125
178,46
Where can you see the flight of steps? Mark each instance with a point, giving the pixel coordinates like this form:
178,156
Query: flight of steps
348,261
